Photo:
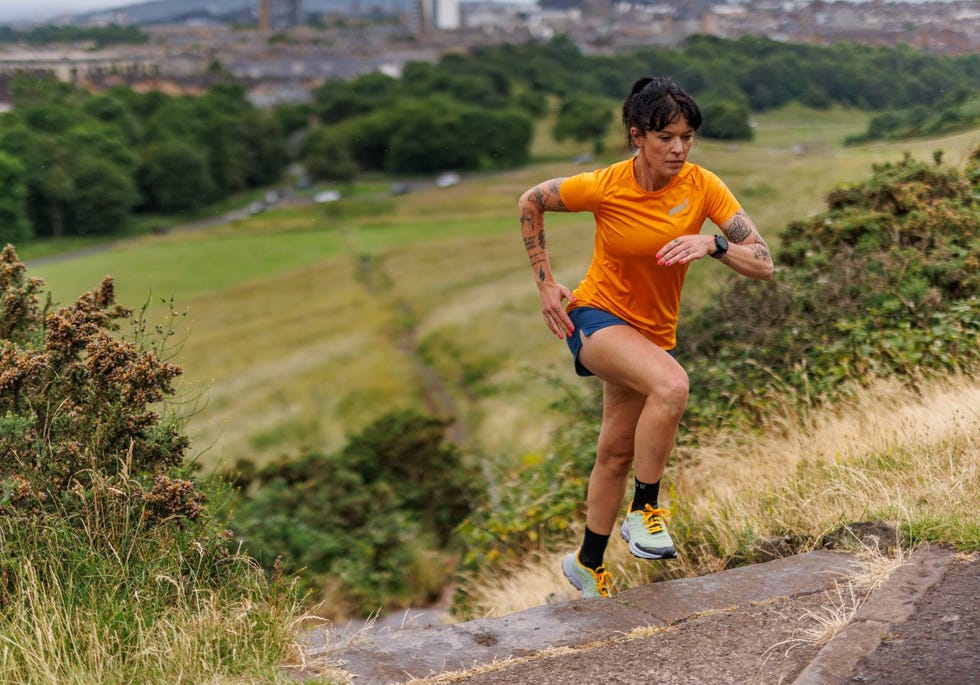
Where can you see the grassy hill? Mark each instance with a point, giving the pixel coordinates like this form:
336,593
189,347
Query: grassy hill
298,326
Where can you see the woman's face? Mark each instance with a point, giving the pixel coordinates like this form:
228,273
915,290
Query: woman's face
664,152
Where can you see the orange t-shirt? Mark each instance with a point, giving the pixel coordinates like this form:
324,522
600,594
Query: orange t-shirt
632,225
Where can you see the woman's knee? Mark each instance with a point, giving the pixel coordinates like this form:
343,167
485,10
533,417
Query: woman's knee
671,390
615,461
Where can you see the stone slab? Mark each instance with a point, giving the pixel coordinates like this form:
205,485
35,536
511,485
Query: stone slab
890,605
393,658
802,574
382,659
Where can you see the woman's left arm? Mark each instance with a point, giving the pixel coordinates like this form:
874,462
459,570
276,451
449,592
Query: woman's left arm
747,252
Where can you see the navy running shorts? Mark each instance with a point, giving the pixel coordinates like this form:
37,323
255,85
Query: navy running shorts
588,320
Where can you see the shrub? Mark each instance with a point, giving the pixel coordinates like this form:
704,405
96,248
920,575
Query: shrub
81,397
725,120
360,526
886,282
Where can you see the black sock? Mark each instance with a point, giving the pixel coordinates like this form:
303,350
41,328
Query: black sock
593,549
644,494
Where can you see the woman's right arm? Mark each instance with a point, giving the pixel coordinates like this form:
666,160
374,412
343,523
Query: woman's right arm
533,204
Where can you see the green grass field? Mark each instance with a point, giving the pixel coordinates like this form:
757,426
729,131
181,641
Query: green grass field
302,324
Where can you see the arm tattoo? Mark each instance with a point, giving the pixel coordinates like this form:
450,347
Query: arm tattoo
547,196
739,229
544,197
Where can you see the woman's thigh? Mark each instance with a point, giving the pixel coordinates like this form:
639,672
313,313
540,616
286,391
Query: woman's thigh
620,355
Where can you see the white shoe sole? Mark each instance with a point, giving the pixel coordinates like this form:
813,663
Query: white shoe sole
637,551
576,583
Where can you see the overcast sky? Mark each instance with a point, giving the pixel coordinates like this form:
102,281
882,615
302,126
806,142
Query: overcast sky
13,10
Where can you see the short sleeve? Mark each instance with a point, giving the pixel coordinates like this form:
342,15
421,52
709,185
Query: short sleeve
580,193
721,203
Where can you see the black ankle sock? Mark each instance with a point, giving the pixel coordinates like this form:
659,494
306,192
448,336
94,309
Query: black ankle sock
593,549
644,494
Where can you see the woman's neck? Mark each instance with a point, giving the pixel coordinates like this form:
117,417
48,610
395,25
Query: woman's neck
646,178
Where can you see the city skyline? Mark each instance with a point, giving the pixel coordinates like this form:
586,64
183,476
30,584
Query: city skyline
40,10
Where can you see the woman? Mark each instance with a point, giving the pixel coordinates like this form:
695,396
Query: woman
621,321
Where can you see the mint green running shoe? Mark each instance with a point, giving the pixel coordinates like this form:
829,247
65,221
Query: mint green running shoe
598,583
645,532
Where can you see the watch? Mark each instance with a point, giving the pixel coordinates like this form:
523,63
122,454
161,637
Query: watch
721,247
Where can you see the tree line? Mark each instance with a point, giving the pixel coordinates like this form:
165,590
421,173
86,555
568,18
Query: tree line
79,163
75,163
112,34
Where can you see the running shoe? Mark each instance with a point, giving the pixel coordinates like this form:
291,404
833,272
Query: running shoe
645,532
596,583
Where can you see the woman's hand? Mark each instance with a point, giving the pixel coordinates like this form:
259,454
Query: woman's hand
747,252
552,295
685,249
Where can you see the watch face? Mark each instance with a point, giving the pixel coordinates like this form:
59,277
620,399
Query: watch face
721,246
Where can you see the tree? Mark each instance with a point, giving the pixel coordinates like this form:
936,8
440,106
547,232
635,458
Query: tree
368,138
338,99
50,186
174,177
725,120
101,140
583,119
505,138
14,227
430,137
110,109
326,157
265,139
104,196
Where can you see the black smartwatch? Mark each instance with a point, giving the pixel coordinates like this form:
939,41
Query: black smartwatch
721,247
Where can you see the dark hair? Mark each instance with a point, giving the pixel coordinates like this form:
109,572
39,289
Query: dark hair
655,103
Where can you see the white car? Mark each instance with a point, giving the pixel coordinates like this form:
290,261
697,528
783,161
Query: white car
447,180
326,196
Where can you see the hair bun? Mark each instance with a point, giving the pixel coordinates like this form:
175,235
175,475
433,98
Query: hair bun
641,84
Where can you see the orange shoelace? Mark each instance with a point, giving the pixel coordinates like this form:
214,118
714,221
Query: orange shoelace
654,519
603,581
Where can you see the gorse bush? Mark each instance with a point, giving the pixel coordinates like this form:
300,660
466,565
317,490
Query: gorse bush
109,554
77,402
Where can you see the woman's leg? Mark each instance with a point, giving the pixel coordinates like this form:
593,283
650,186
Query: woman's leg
621,408
644,396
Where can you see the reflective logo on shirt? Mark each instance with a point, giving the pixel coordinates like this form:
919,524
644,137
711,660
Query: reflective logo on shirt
673,211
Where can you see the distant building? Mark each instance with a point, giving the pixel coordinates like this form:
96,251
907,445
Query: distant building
280,14
441,15
447,15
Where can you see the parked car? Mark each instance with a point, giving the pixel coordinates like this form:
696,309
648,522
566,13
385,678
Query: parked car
447,179
326,196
